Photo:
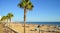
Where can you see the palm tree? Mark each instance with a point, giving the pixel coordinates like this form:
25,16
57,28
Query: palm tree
9,16
3,18
7,20
27,5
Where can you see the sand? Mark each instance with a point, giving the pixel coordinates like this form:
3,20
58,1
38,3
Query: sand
30,28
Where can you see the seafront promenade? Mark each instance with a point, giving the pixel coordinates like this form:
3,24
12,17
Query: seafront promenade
6,29
30,28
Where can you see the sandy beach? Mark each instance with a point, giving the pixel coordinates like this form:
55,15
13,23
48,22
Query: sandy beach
30,28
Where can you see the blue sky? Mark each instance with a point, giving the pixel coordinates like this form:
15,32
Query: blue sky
44,10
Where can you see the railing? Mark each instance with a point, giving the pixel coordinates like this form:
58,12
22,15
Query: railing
7,29
11,30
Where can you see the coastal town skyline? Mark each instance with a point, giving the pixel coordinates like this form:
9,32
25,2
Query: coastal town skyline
44,10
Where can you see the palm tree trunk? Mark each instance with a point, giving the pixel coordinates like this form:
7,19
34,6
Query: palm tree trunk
10,19
10,26
24,18
10,22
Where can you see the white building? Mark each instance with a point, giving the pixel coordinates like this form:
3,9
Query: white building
0,17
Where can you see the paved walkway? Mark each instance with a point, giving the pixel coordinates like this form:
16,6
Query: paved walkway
5,29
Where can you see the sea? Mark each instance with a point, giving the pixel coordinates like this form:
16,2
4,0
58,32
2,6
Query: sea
48,23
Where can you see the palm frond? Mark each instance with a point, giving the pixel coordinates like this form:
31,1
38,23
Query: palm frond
27,4
30,6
